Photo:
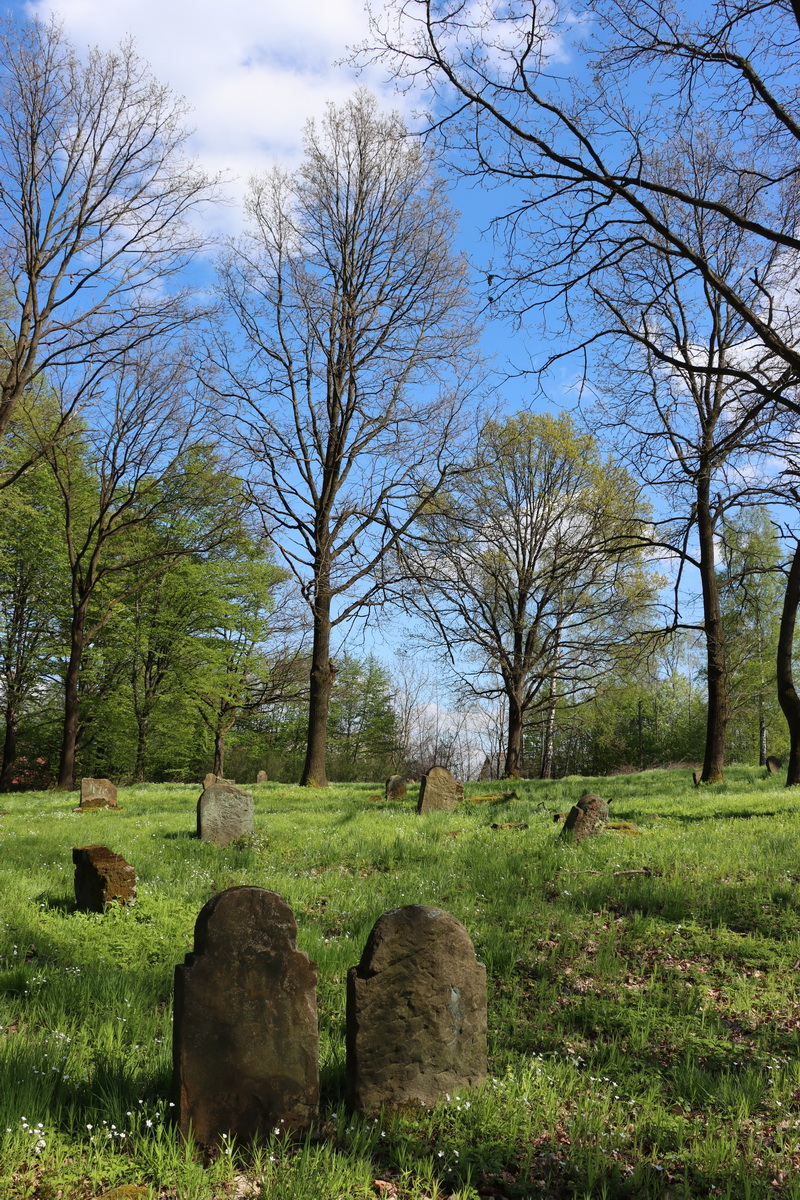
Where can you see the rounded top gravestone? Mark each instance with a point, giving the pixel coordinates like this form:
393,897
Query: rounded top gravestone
245,1041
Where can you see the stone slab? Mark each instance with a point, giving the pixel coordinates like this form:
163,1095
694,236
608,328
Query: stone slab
98,793
245,1040
416,1012
225,812
102,878
439,790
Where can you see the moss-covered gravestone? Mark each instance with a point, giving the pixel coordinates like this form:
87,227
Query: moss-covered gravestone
225,812
416,1012
98,793
245,1042
439,790
102,878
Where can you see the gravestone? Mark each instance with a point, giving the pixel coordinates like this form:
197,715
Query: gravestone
98,793
262,777
395,788
209,780
416,1012
101,878
774,765
586,818
225,812
245,1041
439,790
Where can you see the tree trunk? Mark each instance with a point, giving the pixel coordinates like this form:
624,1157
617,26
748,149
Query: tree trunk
9,744
323,672
69,737
787,696
762,734
143,726
513,763
549,738
717,713
219,753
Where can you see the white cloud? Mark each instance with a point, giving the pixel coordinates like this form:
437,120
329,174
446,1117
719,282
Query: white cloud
253,71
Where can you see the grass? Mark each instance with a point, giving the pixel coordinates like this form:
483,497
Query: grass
644,994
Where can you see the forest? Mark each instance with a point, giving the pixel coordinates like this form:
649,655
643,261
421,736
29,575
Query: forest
265,504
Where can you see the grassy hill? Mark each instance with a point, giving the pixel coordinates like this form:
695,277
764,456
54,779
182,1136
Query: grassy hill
644,991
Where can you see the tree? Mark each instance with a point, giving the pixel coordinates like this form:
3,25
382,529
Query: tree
356,334
96,208
238,675
525,568
33,580
751,586
138,489
583,151
677,391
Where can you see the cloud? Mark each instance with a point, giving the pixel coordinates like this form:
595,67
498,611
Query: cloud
253,73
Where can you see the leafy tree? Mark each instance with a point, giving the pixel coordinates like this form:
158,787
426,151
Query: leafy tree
362,725
356,333
752,585
236,675
525,568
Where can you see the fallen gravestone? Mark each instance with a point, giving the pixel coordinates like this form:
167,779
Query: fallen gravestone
416,1012
102,878
439,790
395,788
245,1041
262,777
588,817
774,765
224,813
98,793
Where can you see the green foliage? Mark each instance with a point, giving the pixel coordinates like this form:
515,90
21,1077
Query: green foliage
643,994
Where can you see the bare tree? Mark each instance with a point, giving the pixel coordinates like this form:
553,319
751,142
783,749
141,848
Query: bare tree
690,396
581,152
525,568
96,205
348,375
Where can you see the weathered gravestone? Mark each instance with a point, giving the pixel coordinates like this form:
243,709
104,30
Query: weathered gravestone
439,790
395,788
586,818
774,765
209,780
245,1041
101,878
225,812
98,793
416,1012
262,777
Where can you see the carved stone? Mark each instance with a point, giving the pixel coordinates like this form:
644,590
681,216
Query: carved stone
416,1012
245,1041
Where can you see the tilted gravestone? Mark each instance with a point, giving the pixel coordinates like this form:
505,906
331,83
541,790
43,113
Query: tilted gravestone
245,1041
416,1012
101,878
439,790
98,793
395,788
224,813
262,777
586,818
774,765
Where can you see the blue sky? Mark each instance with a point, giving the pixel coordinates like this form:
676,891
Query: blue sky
254,73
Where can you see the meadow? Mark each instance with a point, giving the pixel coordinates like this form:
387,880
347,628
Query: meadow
643,987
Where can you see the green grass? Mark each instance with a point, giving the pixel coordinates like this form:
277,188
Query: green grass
644,992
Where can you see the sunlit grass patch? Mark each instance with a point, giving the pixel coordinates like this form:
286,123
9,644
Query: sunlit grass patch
644,1005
